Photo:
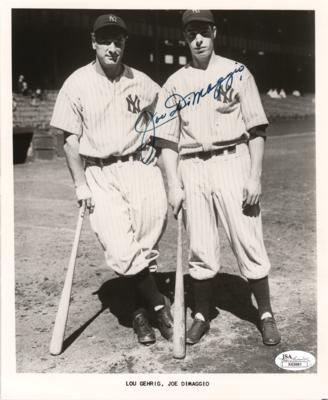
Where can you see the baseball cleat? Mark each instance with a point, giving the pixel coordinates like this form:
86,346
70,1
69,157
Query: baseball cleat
269,331
197,331
143,329
165,320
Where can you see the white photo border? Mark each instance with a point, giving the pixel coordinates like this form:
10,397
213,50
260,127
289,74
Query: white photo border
287,386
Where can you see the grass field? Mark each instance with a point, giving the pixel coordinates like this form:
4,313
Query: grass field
99,336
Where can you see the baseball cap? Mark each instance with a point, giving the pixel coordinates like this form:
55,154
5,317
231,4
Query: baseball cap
109,20
197,15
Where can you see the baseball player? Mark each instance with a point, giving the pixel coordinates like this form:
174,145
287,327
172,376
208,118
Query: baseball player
113,170
211,125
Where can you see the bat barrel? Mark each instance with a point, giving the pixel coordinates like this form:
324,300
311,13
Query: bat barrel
57,340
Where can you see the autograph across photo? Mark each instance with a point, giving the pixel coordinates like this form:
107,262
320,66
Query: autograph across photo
165,200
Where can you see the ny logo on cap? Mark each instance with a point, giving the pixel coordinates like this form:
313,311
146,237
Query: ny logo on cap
112,18
133,105
195,11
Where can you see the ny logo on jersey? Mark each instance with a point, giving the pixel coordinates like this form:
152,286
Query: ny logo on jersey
224,95
133,105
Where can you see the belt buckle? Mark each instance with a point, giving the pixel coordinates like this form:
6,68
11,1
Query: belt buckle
206,155
229,150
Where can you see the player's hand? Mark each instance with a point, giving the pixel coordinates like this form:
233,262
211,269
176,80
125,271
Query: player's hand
84,195
252,192
175,198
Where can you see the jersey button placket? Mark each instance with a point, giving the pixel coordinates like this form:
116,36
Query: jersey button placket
114,114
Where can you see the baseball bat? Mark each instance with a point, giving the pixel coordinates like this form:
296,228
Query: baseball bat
179,317
58,333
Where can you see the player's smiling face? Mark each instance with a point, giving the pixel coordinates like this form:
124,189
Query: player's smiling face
109,46
200,38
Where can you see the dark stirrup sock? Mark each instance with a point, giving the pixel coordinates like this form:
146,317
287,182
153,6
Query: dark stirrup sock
203,292
147,288
135,300
261,291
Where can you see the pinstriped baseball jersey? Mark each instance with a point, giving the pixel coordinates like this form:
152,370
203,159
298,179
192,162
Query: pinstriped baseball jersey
103,113
216,107
211,106
129,196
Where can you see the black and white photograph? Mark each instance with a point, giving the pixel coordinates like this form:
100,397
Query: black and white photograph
161,171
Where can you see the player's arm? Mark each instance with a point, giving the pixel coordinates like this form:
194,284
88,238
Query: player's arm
175,187
166,137
67,117
253,187
256,123
76,168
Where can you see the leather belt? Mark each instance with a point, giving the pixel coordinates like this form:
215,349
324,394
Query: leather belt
205,155
101,162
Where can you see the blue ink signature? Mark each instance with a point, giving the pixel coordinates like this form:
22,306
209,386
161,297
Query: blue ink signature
148,122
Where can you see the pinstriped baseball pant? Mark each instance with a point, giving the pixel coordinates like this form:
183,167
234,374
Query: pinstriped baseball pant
214,190
130,212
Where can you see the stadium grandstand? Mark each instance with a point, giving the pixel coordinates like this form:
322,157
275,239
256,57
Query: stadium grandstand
49,44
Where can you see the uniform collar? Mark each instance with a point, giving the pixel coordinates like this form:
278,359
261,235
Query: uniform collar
99,70
213,61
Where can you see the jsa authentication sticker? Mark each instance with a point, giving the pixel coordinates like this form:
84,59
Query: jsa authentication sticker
295,360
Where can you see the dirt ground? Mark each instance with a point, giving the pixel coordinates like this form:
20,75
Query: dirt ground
99,337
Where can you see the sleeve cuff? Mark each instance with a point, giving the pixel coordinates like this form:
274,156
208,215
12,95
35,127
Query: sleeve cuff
262,124
258,130
164,143
70,130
